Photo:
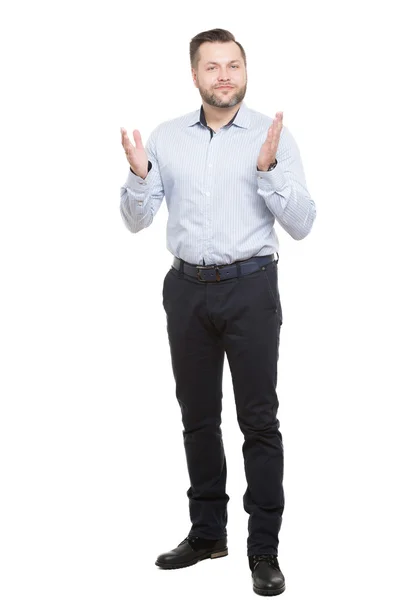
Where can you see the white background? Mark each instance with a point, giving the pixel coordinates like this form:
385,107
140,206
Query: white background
93,472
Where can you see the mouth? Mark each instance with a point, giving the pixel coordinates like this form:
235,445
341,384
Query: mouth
225,87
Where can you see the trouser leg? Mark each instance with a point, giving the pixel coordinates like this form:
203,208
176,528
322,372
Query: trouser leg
251,338
197,356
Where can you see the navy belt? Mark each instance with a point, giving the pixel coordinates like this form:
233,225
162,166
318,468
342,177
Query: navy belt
219,273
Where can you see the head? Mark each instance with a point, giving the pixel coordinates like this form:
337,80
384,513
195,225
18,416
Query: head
217,59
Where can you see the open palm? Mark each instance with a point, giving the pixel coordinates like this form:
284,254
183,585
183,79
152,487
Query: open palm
136,156
270,146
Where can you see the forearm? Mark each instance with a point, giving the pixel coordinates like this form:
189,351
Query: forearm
135,205
288,200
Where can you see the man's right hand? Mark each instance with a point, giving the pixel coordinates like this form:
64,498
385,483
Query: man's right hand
136,157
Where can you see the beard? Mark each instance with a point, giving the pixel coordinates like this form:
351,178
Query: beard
214,100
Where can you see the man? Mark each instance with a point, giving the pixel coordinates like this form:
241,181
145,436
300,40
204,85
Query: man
227,174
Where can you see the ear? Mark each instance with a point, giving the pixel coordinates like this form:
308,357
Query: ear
194,76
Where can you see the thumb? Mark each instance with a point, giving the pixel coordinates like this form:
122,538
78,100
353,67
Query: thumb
138,139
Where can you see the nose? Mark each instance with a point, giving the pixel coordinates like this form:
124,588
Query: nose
223,75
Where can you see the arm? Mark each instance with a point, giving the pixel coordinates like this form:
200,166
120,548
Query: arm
284,190
140,198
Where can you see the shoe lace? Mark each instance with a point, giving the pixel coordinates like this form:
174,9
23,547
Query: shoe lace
271,559
197,543
191,539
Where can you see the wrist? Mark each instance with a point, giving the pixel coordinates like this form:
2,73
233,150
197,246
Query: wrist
149,166
268,167
143,176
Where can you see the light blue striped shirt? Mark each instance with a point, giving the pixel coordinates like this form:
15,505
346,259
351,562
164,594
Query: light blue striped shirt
221,209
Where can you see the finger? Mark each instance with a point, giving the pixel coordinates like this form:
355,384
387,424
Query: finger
267,143
127,146
276,131
124,137
138,139
277,122
274,143
277,128
126,142
123,134
272,132
280,122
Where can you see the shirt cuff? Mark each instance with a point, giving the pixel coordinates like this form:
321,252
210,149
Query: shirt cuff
274,179
137,183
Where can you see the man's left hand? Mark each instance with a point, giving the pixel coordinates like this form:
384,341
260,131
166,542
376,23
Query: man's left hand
270,146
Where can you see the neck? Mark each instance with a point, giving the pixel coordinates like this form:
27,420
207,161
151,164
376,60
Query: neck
219,116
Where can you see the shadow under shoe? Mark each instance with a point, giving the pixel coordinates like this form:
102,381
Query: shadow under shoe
190,551
268,579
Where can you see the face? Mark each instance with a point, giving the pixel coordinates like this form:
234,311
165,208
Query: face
220,64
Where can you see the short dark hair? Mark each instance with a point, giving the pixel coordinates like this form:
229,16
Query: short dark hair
213,35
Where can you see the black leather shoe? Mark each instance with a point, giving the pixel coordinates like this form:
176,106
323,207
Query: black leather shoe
191,551
268,579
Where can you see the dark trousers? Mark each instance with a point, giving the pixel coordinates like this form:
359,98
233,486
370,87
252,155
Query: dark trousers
242,318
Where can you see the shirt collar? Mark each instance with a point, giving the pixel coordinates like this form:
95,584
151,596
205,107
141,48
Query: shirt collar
240,119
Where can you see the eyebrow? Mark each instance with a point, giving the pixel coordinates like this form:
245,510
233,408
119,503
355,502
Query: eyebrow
212,62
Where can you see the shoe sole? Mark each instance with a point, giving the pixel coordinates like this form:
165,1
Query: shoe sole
218,554
262,592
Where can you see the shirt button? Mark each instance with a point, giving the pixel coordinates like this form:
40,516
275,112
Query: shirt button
210,165
208,194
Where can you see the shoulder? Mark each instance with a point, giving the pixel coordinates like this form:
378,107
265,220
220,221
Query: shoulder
168,129
177,123
263,122
256,117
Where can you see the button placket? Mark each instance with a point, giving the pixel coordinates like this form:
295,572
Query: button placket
207,192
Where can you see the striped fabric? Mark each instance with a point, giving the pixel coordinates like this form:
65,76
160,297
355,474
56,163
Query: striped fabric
221,209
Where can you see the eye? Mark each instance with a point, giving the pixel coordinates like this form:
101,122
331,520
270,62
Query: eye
234,66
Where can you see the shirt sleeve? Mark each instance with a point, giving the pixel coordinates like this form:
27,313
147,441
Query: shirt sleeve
284,189
140,199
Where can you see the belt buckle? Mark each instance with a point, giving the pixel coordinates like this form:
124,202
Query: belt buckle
200,268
